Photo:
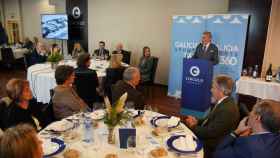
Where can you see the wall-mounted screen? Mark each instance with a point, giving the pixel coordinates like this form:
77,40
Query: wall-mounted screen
54,26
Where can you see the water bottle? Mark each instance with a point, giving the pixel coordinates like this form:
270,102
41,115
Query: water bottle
88,130
255,72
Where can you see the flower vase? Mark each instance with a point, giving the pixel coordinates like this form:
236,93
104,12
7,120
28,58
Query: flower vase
54,65
111,135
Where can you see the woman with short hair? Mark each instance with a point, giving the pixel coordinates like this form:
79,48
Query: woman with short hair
65,100
20,141
17,110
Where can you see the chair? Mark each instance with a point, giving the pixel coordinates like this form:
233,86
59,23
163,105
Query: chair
126,57
147,86
243,109
27,60
86,84
8,58
48,111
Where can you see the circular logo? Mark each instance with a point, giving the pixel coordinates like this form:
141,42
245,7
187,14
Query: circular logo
194,71
76,12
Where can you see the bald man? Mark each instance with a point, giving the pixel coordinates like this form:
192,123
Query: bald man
126,54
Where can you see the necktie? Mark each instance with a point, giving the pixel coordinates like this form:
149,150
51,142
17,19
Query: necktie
204,48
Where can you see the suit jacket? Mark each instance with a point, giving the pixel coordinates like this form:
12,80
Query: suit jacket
211,53
145,67
134,97
97,52
86,82
66,102
126,56
254,146
220,122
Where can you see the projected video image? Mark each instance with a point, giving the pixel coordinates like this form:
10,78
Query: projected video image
54,26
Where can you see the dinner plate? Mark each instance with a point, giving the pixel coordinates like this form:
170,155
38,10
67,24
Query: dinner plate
172,143
61,126
53,147
97,114
162,121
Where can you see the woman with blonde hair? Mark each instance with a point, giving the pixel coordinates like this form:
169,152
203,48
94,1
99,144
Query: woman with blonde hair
20,141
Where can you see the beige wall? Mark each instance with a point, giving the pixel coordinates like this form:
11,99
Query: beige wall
272,50
138,23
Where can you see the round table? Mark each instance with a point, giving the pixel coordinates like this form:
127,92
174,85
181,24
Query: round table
99,148
41,76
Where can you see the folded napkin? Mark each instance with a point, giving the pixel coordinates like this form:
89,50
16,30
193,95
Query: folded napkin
186,143
173,121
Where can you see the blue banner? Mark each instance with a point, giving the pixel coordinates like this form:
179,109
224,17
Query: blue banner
228,33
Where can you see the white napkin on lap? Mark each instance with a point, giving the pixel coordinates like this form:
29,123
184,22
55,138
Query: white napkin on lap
173,121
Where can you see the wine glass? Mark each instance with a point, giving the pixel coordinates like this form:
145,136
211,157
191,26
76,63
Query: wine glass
141,144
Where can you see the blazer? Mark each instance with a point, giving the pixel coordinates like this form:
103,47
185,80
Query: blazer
218,123
254,146
86,82
97,52
126,55
134,97
13,114
145,67
66,102
76,53
211,53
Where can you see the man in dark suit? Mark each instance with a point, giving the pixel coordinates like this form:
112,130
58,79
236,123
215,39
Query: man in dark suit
222,118
131,78
257,135
206,49
102,53
126,54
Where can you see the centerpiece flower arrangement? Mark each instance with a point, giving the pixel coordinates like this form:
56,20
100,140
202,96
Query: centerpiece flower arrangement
115,115
54,58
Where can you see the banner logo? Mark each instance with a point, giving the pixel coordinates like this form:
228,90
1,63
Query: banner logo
76,12
194,71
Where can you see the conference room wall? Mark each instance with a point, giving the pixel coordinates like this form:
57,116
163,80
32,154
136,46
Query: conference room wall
272,48
138,23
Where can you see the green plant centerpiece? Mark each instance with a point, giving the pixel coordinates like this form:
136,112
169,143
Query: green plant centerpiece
115,115
54,58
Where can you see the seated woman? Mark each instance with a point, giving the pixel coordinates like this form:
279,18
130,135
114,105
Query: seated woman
86,80
113,74
146,65
17,109
20,141
77,50
65,100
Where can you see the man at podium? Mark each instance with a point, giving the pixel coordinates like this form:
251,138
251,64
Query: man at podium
206,49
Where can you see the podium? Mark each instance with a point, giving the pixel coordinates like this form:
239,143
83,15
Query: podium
196,87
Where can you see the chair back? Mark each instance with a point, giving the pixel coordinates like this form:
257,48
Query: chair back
7,56
154,69
48,111
112,76
27,60
126,57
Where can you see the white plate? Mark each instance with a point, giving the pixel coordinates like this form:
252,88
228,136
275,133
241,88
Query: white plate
60,126
49,147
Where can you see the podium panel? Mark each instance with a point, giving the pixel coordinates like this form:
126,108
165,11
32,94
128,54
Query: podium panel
196,86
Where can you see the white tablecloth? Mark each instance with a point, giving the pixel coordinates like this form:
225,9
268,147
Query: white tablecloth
99,148
41,77
258,88
18,53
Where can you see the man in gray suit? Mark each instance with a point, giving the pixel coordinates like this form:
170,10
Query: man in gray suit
206,49
222,118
